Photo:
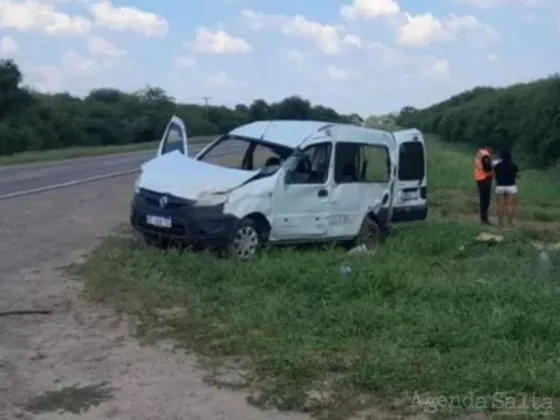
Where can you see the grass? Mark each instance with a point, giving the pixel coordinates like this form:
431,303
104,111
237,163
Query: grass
433,313
76,152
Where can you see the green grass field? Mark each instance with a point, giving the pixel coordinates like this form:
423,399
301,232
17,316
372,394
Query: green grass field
433,313
76,152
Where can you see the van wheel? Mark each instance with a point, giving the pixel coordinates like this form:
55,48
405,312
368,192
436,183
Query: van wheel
246,241
369,234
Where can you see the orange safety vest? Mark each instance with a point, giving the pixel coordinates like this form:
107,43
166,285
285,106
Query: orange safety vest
479,173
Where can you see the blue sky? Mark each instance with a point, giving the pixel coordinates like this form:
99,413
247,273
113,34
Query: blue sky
365,56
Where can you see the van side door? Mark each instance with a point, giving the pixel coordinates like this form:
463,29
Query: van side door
303,194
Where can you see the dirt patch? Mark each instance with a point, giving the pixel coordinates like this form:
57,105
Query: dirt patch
51,361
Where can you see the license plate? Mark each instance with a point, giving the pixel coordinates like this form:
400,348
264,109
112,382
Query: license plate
409,195
158,221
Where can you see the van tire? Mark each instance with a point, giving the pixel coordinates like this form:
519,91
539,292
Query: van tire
370,234
246,241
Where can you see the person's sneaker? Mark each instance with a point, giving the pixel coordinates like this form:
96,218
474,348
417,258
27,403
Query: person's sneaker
487,223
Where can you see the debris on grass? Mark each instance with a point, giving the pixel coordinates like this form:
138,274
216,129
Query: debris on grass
555,247
489,238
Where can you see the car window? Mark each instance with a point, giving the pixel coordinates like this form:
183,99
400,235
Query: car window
312,166
375,165
411,161
244,153
358,162
173,140
265,155
229,152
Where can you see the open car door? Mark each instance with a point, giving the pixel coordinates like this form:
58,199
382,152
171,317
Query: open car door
410,188
174,138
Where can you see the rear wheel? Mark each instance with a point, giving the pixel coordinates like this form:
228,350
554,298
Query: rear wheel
246,241
369,234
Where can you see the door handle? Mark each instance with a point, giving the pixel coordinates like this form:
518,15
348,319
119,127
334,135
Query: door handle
323,193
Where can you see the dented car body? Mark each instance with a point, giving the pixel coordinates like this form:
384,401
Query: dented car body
281,182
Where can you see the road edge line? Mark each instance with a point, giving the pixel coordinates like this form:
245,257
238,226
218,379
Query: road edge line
68,184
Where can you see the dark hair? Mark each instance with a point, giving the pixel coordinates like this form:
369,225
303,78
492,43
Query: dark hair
505,155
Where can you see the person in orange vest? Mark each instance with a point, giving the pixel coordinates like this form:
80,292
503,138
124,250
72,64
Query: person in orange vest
483,174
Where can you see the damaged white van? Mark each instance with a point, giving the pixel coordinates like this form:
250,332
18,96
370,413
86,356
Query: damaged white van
281,182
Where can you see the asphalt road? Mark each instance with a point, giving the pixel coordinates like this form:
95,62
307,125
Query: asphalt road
21,179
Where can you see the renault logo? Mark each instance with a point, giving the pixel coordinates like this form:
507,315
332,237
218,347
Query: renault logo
163,201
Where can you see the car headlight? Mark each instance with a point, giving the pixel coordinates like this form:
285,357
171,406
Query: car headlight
211,199
137,185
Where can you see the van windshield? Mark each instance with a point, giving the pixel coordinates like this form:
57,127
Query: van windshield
246,154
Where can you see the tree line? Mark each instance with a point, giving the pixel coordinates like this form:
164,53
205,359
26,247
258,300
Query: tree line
30,120
523,118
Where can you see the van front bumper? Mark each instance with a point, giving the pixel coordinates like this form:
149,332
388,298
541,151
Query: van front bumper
205,226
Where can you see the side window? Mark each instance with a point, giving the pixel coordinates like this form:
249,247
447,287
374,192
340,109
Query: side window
376,164
312,166
173,140
411,161
346,161
358,162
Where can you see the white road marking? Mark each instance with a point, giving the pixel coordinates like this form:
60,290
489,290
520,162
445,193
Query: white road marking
68,184
90,179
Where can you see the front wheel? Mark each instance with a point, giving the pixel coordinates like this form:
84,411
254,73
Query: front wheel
155,241
246,241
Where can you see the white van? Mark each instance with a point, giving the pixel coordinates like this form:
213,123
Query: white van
281,182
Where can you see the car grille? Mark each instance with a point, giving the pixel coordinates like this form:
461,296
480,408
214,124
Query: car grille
151,198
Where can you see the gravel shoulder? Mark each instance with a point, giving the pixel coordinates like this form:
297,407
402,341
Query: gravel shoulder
79,342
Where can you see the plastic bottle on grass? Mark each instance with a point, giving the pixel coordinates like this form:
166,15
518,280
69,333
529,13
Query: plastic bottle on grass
544,265
345,270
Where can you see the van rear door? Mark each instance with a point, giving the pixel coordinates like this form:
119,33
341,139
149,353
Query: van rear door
410,189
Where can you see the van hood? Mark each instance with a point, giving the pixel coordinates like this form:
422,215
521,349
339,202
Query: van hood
184,177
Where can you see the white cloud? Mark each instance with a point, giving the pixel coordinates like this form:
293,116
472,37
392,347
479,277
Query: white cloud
116,18
294,55
222,80
487,4
100,47
219,42
437,68
8,45
52,78
492,57
337,74
329,38
38,16
369,9
77,70
185,61
424,29
390,56
76,63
